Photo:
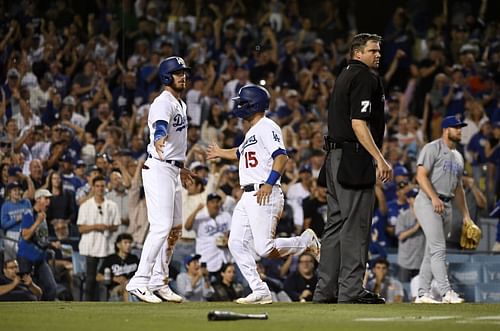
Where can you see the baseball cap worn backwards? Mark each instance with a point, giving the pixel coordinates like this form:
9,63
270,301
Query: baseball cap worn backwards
452,122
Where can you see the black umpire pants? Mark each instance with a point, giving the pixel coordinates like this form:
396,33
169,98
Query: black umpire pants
344,245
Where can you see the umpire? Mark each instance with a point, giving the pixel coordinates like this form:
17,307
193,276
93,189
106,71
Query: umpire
356,130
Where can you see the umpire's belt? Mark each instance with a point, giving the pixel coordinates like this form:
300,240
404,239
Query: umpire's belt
331,144
178,164
444,198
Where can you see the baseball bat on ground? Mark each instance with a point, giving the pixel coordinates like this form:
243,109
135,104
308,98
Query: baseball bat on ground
218,315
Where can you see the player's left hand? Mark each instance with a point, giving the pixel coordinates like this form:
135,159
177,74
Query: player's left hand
186,177
160,145
263,194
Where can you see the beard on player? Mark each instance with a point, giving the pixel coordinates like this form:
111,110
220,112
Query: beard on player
455,135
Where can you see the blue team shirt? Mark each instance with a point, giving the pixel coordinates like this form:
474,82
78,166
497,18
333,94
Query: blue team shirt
476,146
12,214
34,248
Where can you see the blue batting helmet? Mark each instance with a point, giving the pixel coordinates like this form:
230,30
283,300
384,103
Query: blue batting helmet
169,66
251,99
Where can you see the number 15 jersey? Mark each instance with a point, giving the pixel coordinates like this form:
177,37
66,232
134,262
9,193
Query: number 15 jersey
262,143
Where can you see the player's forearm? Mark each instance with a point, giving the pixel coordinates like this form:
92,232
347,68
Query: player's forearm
364,136
424,183
460,200
279,163
228,154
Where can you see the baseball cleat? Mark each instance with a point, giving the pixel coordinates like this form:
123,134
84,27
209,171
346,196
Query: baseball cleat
452,297
166,293
426,298
314,246
144,294
255,299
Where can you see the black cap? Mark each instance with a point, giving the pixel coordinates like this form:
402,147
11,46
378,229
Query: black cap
213,196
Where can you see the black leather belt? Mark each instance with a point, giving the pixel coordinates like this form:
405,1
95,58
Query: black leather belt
251,187
178,164
444,198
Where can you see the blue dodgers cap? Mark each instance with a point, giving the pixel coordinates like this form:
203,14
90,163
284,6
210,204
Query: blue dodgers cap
213,196
13,185
13,170
189,258
452,122
305,168
412,193
400,171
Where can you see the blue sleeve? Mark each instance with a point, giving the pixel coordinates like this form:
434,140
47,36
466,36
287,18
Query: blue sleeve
6,222
238,154
27,220
161,129
279,151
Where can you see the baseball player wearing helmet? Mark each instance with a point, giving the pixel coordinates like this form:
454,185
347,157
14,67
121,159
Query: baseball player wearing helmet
162,174
439,173
262,159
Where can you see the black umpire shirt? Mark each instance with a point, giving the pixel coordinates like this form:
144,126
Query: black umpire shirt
358,94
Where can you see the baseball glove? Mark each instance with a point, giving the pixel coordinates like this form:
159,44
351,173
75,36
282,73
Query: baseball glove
471,235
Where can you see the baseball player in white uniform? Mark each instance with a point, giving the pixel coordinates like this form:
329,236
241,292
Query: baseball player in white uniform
439,174
262,159
162,175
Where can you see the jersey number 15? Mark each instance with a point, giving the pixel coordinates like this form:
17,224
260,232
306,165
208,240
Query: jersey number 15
250,160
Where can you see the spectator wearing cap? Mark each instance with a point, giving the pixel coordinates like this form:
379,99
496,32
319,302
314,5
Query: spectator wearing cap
394,209
292,111
11,91
194,284
296,194
69,117
61,81
401,174
477,151
122,265
98,218
85,192
69,181
33,244
456,93
12,213
411,240
211,226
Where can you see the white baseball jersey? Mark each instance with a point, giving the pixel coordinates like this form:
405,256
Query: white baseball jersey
256,152
168,108
207,231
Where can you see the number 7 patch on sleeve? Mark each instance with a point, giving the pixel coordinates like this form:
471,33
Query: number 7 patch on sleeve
366,106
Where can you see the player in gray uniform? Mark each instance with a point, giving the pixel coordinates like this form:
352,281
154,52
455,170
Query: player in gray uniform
439,174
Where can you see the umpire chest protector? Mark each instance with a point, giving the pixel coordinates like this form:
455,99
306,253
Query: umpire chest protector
358,94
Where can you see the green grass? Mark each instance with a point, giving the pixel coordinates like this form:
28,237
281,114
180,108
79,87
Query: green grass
74,316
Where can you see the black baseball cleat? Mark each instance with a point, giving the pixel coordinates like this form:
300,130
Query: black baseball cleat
366,297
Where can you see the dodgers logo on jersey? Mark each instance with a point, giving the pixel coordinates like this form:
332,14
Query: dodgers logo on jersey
250,141
179,122
276,137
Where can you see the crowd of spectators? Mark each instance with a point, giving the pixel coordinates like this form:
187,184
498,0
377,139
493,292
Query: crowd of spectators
76,82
